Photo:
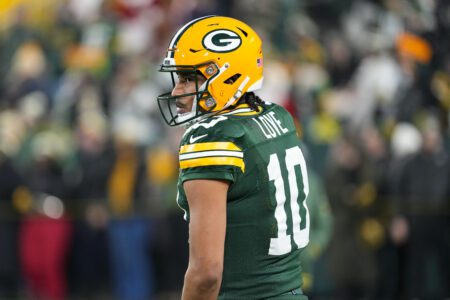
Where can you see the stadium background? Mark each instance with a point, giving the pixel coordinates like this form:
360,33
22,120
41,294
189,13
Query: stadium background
88,169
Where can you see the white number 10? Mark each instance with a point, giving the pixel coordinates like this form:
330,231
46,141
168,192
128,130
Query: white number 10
282,243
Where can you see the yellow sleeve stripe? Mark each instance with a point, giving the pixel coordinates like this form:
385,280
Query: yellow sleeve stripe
209,146
211,153
213,161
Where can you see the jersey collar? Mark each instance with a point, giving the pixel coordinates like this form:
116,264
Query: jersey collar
241,110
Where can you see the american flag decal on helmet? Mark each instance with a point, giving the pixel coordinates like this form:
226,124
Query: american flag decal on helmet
259,62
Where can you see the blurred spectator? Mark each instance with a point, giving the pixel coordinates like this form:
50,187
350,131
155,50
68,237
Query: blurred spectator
46,232
341,60
28,75
406,140
90,253
131,265
14,198
131,229
352,260
321,132
376,82
422,212
414,55
377,209
131,111
44,242
11,185
89,269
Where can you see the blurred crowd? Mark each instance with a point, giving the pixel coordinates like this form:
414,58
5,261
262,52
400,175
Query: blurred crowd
88,169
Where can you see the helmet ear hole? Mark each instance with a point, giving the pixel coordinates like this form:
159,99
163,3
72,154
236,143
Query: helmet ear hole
232,79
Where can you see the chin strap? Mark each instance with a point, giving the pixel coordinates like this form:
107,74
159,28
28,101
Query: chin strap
238,93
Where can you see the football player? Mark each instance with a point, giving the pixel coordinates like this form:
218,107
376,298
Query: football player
243,180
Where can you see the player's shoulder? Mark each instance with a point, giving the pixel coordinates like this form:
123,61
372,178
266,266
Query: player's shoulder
211,143
268,106
217,128
280,111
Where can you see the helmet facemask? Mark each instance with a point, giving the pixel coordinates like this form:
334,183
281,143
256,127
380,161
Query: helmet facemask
202,104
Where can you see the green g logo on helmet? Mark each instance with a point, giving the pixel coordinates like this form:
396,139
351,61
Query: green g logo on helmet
221,40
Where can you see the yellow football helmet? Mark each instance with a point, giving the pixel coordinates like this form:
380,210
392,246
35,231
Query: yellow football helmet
226,51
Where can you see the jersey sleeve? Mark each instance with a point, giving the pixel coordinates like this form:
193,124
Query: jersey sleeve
212,153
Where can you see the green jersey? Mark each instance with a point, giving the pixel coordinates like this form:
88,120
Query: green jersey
267,216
